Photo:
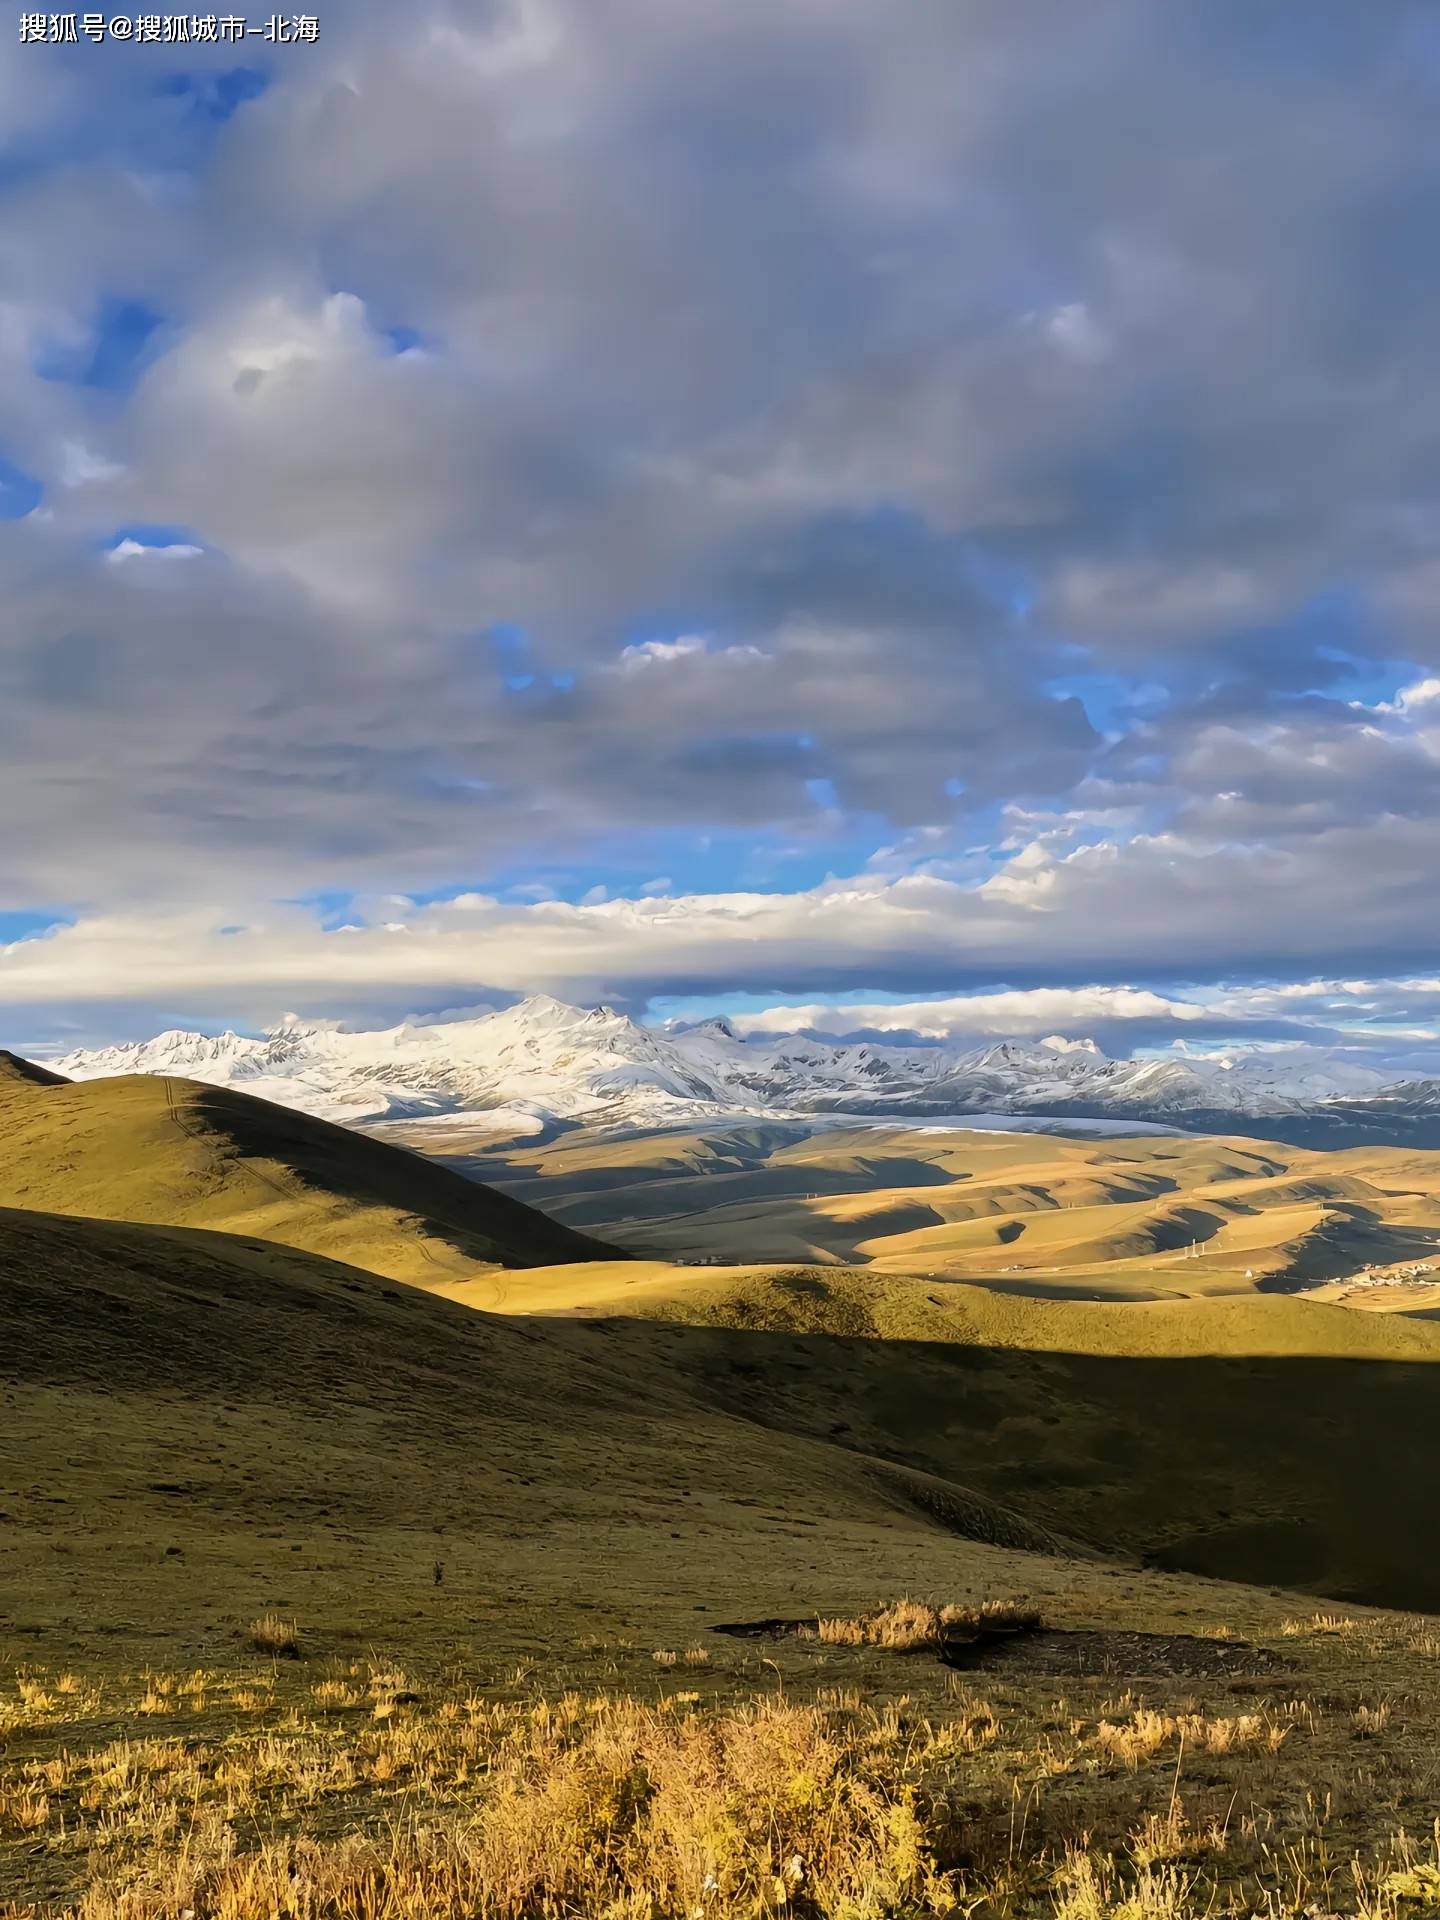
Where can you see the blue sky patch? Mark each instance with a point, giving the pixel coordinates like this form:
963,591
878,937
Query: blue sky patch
26,925
215,97
117,352
20,492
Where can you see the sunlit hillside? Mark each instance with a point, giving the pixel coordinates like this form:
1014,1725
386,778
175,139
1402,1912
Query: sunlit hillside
1141,1216
175,1153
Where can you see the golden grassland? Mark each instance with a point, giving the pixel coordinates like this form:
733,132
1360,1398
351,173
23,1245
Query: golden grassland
327,1599
819,1779
1124,1217
173,1153
244,1403
810,1589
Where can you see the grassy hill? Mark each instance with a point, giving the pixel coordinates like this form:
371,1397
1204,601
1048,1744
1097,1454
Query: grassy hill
199,1427
324,1594
222,1392
1250,1437
1110,1217
15,1072
175,1153
1246,1437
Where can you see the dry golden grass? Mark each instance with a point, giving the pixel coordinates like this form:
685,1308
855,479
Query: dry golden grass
1320,1623
1146,1733
270,1634
582,1806
371,1794
1091,1887
908,1626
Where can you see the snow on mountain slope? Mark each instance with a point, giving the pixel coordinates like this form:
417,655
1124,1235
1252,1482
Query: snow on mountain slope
540,1058
547,1061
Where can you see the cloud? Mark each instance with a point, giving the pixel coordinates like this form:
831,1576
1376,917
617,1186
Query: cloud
658,653
1038,1011
128,549
1408,700
1071,951
81,467
828,451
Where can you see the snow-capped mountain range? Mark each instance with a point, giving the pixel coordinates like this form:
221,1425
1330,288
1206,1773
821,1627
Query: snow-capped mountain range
541,1062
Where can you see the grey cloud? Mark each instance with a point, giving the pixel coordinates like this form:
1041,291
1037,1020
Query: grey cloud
905,352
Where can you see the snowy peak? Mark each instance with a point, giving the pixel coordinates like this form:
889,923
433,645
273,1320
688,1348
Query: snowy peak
541,1014
543,1060
715,1028
1007,1053
174,1051
541,1057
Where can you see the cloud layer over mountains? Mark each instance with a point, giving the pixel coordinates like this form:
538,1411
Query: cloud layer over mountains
657,501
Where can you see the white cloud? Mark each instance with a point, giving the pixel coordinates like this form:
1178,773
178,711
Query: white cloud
725,318
1411,699
664,653
128,549
1159,904
658,653
1037,1011
81,467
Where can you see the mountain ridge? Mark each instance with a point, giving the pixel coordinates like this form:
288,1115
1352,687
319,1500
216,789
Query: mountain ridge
543,1061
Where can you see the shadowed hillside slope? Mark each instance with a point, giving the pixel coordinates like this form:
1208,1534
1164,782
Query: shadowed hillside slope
795,1443
198,1427
26,1073
176,1153
1259,1437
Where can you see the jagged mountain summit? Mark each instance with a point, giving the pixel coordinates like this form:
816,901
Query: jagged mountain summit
542,1058
541,1062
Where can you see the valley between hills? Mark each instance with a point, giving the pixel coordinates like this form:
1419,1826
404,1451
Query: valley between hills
569,1527
1129,1217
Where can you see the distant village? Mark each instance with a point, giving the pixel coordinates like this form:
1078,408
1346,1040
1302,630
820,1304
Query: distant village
1416,1273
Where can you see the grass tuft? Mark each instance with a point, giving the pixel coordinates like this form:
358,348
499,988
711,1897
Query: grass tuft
909,1626
273,1635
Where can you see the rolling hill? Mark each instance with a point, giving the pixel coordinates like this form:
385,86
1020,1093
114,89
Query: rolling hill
805,1429
176,1153
174,1253
199,1426
1119,1217
1251,1438
294,1560
309,1582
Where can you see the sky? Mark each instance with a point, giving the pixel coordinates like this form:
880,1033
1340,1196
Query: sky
828,508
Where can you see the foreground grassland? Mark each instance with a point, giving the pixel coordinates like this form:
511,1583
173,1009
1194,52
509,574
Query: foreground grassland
657,1592
1290,1778
1137,1217
327,1599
